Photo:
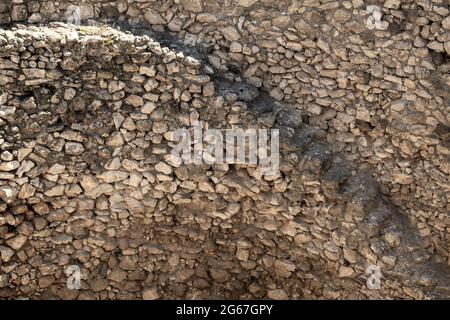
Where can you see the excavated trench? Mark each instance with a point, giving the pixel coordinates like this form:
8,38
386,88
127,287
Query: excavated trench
90,184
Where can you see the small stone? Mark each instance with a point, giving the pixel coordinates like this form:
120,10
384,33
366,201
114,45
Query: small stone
113,176
56,191
61,239
41,208
399,105
148,108
302,238
230,33
151,294
154,17
101,189
219,275
99,285
34,73
402,178
235,47
9,166
22,153
393,237
56,169
284,268
74,148
315,109
277,294
324,46
6,156
208,89
5,253
447,47
242,255
341,15
135,101
88,182
246,3
345,272
8,193
362,113
69,94
150,72
277,94
115,140
192,5
446,23
115,86
6,111
175,25
26,191
164,168
289,229
35,18
17,242
46,281
436,46
167,186
117,275
118,120
392,4
19,13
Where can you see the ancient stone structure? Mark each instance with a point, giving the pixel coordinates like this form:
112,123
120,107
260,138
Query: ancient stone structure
87,115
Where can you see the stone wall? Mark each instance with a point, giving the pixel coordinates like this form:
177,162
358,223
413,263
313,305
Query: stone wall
86,119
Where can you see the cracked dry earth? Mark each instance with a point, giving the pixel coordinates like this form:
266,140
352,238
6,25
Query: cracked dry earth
87,115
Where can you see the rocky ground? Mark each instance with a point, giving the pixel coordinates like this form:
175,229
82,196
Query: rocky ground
87,116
